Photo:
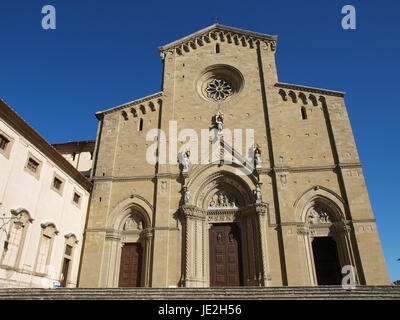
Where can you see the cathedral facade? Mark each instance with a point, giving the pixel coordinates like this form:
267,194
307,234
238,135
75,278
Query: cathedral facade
228,177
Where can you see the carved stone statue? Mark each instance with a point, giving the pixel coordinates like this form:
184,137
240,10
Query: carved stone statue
257,193
257,157
185,161
219,120
186,198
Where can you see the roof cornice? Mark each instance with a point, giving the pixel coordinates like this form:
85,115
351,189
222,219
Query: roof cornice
99,114
217,30
309,89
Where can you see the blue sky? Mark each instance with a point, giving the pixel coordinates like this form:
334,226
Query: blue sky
104,53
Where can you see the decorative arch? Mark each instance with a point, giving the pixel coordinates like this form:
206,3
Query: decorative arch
205,178
321,216
124,208
129,223
22,213
15,241
237,206
223,181
318,194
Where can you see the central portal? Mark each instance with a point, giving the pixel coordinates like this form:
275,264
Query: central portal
225,256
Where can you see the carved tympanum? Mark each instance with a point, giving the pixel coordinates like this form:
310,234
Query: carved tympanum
318,215
134,222
223,200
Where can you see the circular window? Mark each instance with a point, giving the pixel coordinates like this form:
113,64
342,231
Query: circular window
219,89
219,83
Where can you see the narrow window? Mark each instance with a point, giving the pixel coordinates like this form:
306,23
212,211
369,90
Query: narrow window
141,124
43,254
77,197
68,250
303,113
12,245
3,142
57,183
32,165
217,48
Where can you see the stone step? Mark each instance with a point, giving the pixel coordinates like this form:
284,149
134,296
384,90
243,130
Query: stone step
242,293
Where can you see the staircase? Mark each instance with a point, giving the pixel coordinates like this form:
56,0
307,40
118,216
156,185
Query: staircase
232,293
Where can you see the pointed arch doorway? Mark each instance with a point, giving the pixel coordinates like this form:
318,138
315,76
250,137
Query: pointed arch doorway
326,260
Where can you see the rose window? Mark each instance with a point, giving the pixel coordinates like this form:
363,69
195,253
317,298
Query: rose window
218,89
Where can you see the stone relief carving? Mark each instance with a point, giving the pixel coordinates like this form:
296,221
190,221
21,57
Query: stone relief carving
222,200
134,223
222,217
317,215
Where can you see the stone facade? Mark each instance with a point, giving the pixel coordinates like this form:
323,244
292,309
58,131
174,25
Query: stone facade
280,162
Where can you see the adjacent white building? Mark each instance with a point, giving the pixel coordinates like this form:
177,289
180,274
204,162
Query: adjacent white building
79,154
43,208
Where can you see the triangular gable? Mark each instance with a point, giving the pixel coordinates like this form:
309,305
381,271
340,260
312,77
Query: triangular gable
218,32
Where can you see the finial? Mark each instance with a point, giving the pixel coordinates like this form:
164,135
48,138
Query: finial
215,19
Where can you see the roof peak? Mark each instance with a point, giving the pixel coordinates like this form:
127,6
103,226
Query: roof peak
224,32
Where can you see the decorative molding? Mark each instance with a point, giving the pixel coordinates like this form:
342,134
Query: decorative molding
133,103
191,211
221,33
136,178
223,216
306,89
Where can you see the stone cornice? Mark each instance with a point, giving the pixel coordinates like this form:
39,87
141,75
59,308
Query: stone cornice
99,114
197,38
309,168
259,170
350,165
309,89
149,177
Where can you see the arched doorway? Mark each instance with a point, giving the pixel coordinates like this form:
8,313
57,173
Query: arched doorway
126,260
327,242
222,222
326,261
130,272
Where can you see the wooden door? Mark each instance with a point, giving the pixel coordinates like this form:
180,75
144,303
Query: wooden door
131,262
326,260
225,257
65,272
